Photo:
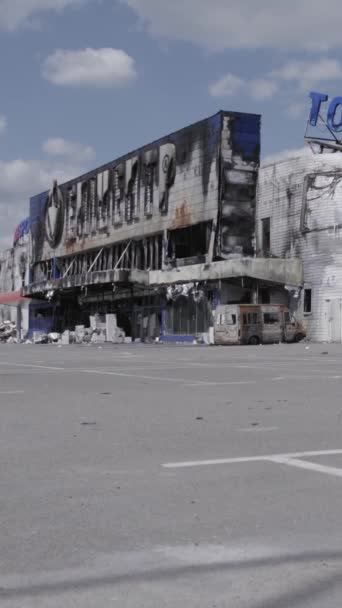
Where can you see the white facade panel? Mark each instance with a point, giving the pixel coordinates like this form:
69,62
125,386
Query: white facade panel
303,199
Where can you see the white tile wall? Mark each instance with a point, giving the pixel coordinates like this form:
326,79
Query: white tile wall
280,197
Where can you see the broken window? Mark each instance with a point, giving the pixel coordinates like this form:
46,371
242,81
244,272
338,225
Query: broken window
266,236
131,210
265,296
270,318
149,181
71,206
252,318
189,242
118,193
92,204
85,217
150,174
307,301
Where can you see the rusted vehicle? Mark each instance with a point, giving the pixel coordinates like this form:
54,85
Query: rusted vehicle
256,324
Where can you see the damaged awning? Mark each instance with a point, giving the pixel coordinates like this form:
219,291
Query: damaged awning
273,270
12,298
75,281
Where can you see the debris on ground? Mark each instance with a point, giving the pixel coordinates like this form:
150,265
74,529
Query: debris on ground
8,330
40,337
53,337
11,340
101,330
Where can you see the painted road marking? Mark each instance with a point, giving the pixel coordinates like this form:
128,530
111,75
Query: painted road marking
243,459
125,375
201,383
258,429
11,392
310,466
31,366
182,381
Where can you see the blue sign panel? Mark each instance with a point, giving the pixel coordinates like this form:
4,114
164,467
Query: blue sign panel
325,121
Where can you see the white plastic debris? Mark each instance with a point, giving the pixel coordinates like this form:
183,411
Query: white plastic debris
53,337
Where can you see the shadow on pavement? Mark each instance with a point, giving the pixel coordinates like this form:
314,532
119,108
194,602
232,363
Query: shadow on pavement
290,598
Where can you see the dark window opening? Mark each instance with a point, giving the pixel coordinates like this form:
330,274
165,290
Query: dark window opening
149,188
41,313
266,236
265,296
307,301
252,318
270,318
185,316
189,242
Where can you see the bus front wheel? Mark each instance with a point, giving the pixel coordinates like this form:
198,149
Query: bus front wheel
254,341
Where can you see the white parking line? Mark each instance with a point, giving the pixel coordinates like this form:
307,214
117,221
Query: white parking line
201,383
184,382
11,392
136,376
310,466
268,458
259,429
30,365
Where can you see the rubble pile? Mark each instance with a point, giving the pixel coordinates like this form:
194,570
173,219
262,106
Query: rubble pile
8,332
100,330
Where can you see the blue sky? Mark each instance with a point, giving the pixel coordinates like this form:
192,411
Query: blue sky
84,81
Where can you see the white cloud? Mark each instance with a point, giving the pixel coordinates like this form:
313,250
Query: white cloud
307,73
20,179
91,67
291,79
246,24
230,85
226,86
262,88
3,123
287,154
295,109
14,13
59,147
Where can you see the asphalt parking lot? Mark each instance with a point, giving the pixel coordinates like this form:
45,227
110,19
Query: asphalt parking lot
159,476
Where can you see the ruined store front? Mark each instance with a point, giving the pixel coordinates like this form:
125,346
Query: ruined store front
158,237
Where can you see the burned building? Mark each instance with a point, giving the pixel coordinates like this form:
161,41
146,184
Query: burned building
299,216
14,266
159,236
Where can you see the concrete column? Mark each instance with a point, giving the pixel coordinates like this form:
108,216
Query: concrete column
19,323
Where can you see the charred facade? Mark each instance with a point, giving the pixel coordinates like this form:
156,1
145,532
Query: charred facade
159,236
300,199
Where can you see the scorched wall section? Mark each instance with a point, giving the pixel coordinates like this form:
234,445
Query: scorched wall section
302,197
187,198
167,185
240,153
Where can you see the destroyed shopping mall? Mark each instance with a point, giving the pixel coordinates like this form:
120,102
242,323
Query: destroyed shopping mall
146,247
